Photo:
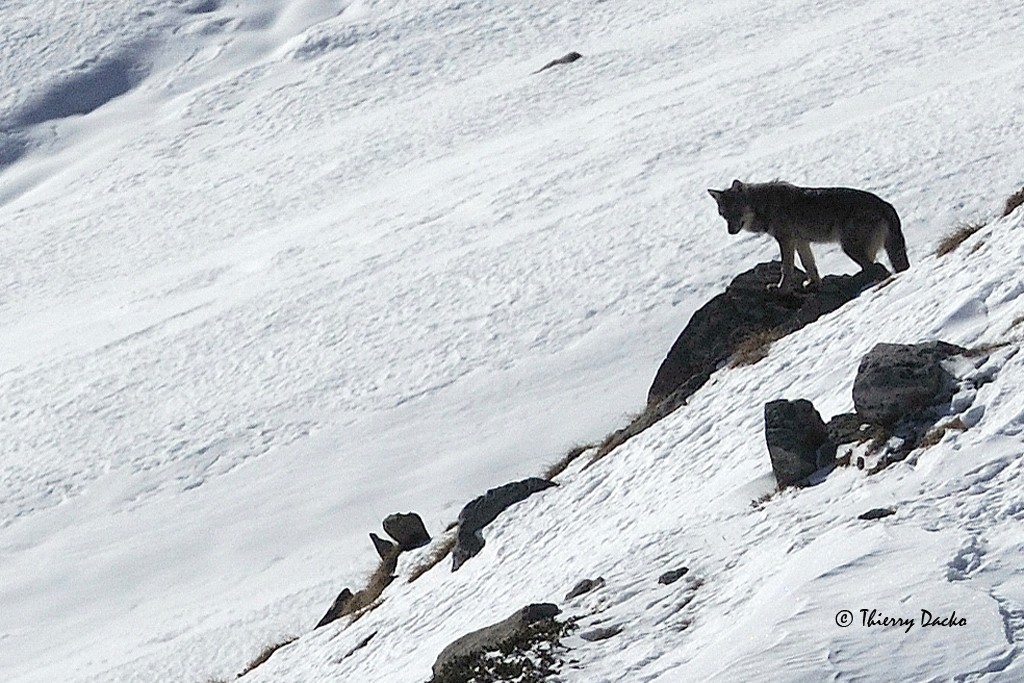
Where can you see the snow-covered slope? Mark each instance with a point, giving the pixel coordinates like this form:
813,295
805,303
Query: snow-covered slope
766,583
271,270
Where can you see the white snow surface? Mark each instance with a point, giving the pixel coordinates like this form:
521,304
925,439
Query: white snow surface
271,270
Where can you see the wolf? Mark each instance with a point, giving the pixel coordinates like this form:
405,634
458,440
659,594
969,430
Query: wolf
796,216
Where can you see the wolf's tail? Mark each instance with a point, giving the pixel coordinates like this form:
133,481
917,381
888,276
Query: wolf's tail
895,245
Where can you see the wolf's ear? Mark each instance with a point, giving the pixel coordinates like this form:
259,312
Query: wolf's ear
736,185
715,194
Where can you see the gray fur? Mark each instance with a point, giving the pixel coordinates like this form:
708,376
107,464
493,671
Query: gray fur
859,221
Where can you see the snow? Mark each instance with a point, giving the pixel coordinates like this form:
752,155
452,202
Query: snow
270,271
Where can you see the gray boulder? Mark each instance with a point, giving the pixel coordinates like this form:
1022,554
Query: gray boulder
898,381
798,441
481,511
492,637
407,529
747,307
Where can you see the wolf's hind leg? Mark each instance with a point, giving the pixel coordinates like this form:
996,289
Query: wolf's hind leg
857,245
807,259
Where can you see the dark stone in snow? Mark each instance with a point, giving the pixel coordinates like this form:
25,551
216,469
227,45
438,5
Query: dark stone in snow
481,511
564,59
747,307
798,441
844,428
877,513
673,576
584,586
385,548
337,609
407,529
601,633
489,638
897,381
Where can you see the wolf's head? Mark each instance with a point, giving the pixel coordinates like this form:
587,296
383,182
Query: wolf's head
734,206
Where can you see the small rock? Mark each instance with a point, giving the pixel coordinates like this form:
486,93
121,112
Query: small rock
385,548
336,609
673,576
564,59
877,513
584,586
601,633
407,529
798,442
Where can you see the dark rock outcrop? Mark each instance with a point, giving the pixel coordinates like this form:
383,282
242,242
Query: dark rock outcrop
407,529
846,428
564,59
337,609
492,637
798,441
673,576
877,513
481,511
897,381
601,633
385,548
584,587
747,307
899,393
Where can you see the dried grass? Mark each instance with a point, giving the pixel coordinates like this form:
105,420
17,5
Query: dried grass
1013,201
935,435
950,242
557,468
362,601
754,348
265,654
442,549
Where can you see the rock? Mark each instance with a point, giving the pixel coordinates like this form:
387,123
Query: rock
564,59
584,586
747,307
481,511
407,529
491,637
385,548
673,576
848,428
798,441
897,381
601,633
337,609
845,428
877,513
362,643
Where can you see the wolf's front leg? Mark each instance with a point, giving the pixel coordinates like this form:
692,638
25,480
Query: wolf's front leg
786,246
807,259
